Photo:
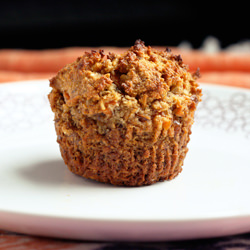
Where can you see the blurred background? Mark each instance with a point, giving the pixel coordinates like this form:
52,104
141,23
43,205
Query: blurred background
30,24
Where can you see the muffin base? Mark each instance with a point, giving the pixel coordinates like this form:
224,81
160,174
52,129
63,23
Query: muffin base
114,159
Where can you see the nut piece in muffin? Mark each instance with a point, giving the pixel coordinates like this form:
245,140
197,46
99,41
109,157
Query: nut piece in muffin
125,119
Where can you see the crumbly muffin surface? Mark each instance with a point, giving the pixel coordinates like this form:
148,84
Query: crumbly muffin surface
125,119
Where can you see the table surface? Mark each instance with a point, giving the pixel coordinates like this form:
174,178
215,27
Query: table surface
10,240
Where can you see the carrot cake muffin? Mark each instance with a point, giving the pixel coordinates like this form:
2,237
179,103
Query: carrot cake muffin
125,119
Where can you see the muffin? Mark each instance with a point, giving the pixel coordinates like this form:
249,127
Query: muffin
125,119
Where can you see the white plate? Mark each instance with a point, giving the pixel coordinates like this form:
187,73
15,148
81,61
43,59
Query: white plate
38,194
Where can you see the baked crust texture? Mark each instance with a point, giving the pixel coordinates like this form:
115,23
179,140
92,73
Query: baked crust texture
125,119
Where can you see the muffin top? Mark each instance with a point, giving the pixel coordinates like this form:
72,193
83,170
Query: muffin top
144,89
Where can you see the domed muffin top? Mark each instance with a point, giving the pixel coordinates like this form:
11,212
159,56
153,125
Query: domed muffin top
143,87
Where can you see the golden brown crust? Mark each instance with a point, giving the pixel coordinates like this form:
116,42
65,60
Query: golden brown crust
125,119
